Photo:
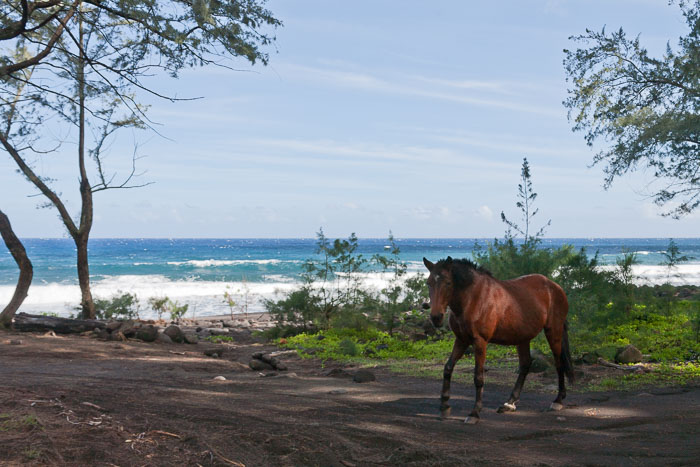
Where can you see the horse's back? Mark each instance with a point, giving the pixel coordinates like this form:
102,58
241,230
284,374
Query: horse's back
538,292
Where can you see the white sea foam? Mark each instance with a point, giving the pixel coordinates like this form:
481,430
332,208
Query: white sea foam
207,297
209,263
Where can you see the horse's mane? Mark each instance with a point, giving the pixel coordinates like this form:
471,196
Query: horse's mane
462,270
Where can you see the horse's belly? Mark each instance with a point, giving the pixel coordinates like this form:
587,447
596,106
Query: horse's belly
506,334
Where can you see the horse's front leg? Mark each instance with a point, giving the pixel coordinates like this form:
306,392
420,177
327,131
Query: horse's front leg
457,352
479,360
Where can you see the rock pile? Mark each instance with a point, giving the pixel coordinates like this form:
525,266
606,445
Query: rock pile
261,361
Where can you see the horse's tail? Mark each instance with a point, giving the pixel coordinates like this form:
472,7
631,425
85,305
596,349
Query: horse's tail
567,366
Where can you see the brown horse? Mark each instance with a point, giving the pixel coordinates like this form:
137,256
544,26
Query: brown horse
485,309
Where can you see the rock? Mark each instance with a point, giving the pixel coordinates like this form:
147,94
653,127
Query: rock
148,333
113,326
589,358
118,336
103,334
175,333
338,391
382,346
281,366
16,342
163,338
217,331
320,337
191,338
628,354
219,378
259,365
540,362
128,328
418,337
216,352
363,376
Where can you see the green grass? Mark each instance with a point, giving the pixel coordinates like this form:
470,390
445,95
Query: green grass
11,423
664,374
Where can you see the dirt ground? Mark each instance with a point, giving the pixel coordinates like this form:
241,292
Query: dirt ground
73,400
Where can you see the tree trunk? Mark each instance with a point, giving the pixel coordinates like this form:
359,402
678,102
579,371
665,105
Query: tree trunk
26,272
86,302
36,323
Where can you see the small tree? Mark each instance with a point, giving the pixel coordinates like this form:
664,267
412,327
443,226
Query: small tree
526,201
672,258
505,258
122,305
26,271
625,276
391,297
159,305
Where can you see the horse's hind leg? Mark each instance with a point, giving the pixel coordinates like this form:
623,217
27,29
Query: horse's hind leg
525,361
555,341
457,352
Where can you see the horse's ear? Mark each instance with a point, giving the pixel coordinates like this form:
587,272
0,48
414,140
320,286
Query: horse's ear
428,264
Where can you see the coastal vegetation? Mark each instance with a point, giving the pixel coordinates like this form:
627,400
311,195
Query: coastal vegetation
334,315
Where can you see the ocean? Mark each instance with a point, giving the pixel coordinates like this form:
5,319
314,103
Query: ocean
199,271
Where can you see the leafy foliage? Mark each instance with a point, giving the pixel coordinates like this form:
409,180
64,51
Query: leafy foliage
123,305
646,108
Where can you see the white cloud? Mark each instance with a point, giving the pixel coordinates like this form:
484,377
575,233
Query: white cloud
485,213
415,86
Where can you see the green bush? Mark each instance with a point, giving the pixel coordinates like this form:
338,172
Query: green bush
120,306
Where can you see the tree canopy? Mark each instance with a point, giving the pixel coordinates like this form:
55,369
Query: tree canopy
646,109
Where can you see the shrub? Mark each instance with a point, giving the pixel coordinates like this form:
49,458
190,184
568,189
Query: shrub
120,306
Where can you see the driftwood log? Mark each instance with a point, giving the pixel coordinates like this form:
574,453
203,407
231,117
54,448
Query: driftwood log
37,323
602,361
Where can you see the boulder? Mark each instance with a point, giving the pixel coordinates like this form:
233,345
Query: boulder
113,326
191,338
382,346
163,338
540,362
217,331
259,365
363,376
216,352
628,354
148,333
589,358
175,333
128,328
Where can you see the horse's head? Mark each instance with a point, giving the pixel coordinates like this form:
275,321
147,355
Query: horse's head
441,287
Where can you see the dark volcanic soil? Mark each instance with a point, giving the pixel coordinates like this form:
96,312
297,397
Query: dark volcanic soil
80,401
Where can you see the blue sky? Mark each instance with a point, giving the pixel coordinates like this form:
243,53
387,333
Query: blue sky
375,116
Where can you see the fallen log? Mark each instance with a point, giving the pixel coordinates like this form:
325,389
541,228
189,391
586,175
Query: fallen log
602,361
37,323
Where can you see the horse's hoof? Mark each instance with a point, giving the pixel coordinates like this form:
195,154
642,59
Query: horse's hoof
556,407
507,407
445,413
471,420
